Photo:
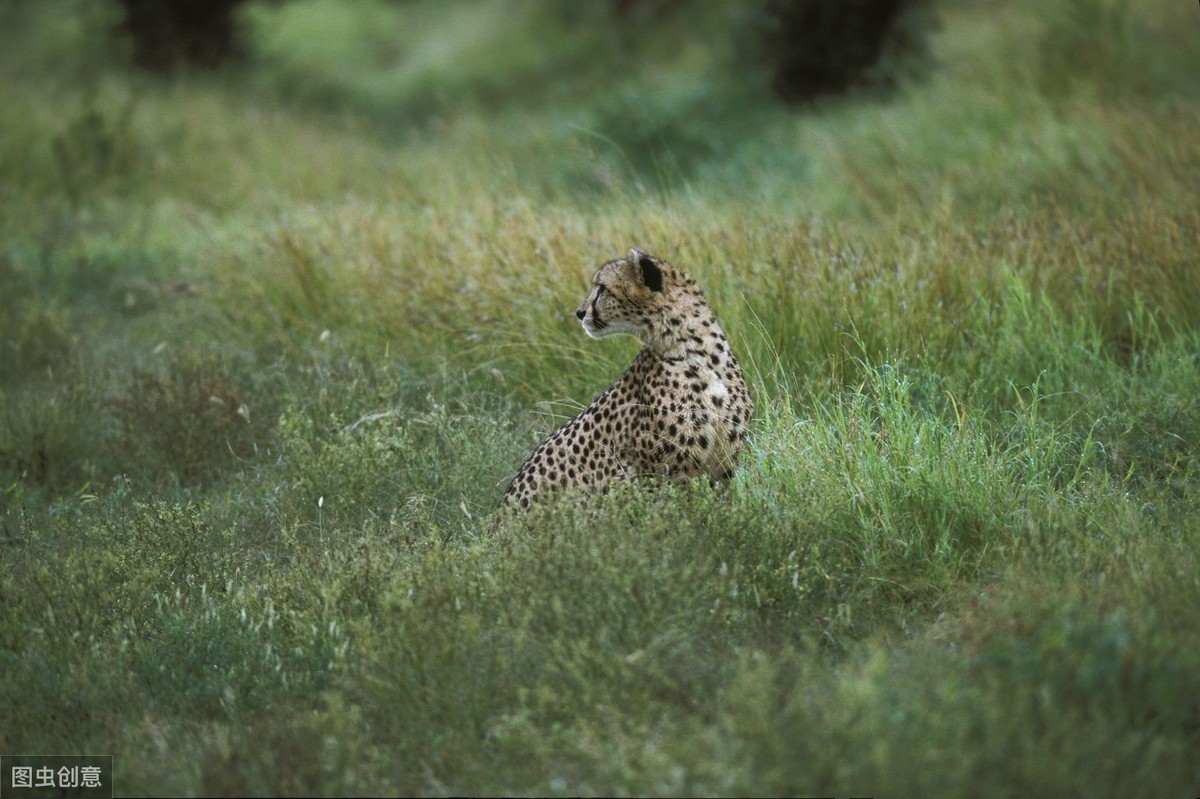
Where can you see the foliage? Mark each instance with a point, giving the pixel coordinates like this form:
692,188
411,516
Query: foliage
168,33
825,47
193,420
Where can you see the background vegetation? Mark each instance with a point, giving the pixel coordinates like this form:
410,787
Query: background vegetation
275,335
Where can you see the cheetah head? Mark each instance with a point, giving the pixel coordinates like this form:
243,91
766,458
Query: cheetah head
627,296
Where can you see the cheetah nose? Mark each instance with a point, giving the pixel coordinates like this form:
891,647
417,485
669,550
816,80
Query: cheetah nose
580,313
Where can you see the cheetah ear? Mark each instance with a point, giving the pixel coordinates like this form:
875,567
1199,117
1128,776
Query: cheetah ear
652,276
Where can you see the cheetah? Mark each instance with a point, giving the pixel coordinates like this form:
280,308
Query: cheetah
680,410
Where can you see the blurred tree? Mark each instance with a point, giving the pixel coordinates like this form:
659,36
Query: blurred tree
167,34
822,47
624,8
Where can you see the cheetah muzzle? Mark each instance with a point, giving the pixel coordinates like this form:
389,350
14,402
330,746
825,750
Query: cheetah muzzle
681,409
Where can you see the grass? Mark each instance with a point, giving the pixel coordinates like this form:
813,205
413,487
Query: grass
274,339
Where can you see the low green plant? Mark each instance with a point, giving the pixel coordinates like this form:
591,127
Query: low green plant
193,419
1089,43
52,436
36,331
95,148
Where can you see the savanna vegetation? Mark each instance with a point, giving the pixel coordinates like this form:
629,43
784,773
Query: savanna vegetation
275,334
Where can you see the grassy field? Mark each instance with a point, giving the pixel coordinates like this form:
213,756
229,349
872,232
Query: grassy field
275,338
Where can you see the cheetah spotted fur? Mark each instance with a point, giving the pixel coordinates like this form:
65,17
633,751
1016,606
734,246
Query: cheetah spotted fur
680,410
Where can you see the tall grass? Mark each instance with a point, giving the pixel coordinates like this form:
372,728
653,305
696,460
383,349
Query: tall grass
273,340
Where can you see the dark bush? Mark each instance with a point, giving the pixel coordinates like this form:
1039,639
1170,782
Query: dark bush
167,34
192,420
816,48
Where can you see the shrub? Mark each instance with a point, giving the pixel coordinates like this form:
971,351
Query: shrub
191,420
823,47
98,149
36,333
170,33
49,436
